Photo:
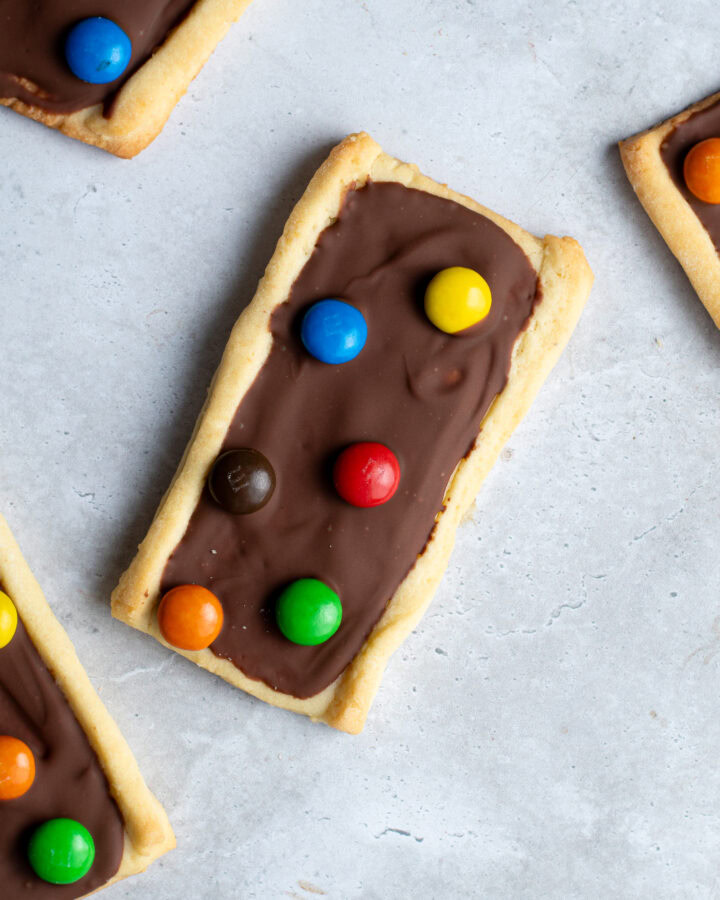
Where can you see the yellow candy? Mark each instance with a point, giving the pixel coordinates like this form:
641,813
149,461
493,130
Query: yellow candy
457,298
8,620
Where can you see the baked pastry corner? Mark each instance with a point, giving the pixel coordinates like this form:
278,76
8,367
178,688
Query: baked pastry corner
669,210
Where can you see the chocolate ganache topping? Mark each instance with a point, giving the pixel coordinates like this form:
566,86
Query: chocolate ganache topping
421,392
32,37
69,781
700,126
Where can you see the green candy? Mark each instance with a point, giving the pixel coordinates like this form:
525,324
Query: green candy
308,612
61,851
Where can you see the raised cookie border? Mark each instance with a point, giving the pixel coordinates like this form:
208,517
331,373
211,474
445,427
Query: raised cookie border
144,103
566,280
148,833
670,212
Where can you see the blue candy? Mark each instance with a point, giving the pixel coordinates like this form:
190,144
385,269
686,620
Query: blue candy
97,50
333,331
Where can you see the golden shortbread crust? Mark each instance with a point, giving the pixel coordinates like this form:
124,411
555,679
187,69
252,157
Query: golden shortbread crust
566,280
148,833
670,212
145,101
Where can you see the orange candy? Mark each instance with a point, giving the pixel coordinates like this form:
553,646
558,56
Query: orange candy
17,767
190,617
702,170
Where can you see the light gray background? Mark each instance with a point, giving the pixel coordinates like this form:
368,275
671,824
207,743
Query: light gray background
551,729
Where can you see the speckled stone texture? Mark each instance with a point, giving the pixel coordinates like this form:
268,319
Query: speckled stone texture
551,729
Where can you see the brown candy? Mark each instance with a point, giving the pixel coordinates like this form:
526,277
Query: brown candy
241,481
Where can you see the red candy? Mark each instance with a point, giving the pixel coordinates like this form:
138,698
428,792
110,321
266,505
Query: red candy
366,474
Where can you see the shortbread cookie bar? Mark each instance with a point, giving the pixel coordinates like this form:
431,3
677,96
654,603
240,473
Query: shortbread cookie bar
75,813
675,171
108,73
398,336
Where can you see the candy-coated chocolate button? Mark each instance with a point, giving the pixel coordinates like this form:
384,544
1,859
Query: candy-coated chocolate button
702,170
366,474
8,620
190,617
456,299
17,767
241,481
308,612
97,50
61,851
333,331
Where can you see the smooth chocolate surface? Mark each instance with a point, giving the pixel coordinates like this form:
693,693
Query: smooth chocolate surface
32,37
68,781
421,392
700,126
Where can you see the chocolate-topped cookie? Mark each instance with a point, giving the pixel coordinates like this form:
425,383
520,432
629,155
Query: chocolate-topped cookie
378,451
108,73
75,814
674,169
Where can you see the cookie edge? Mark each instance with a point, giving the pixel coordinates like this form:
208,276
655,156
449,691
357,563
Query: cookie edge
669,211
